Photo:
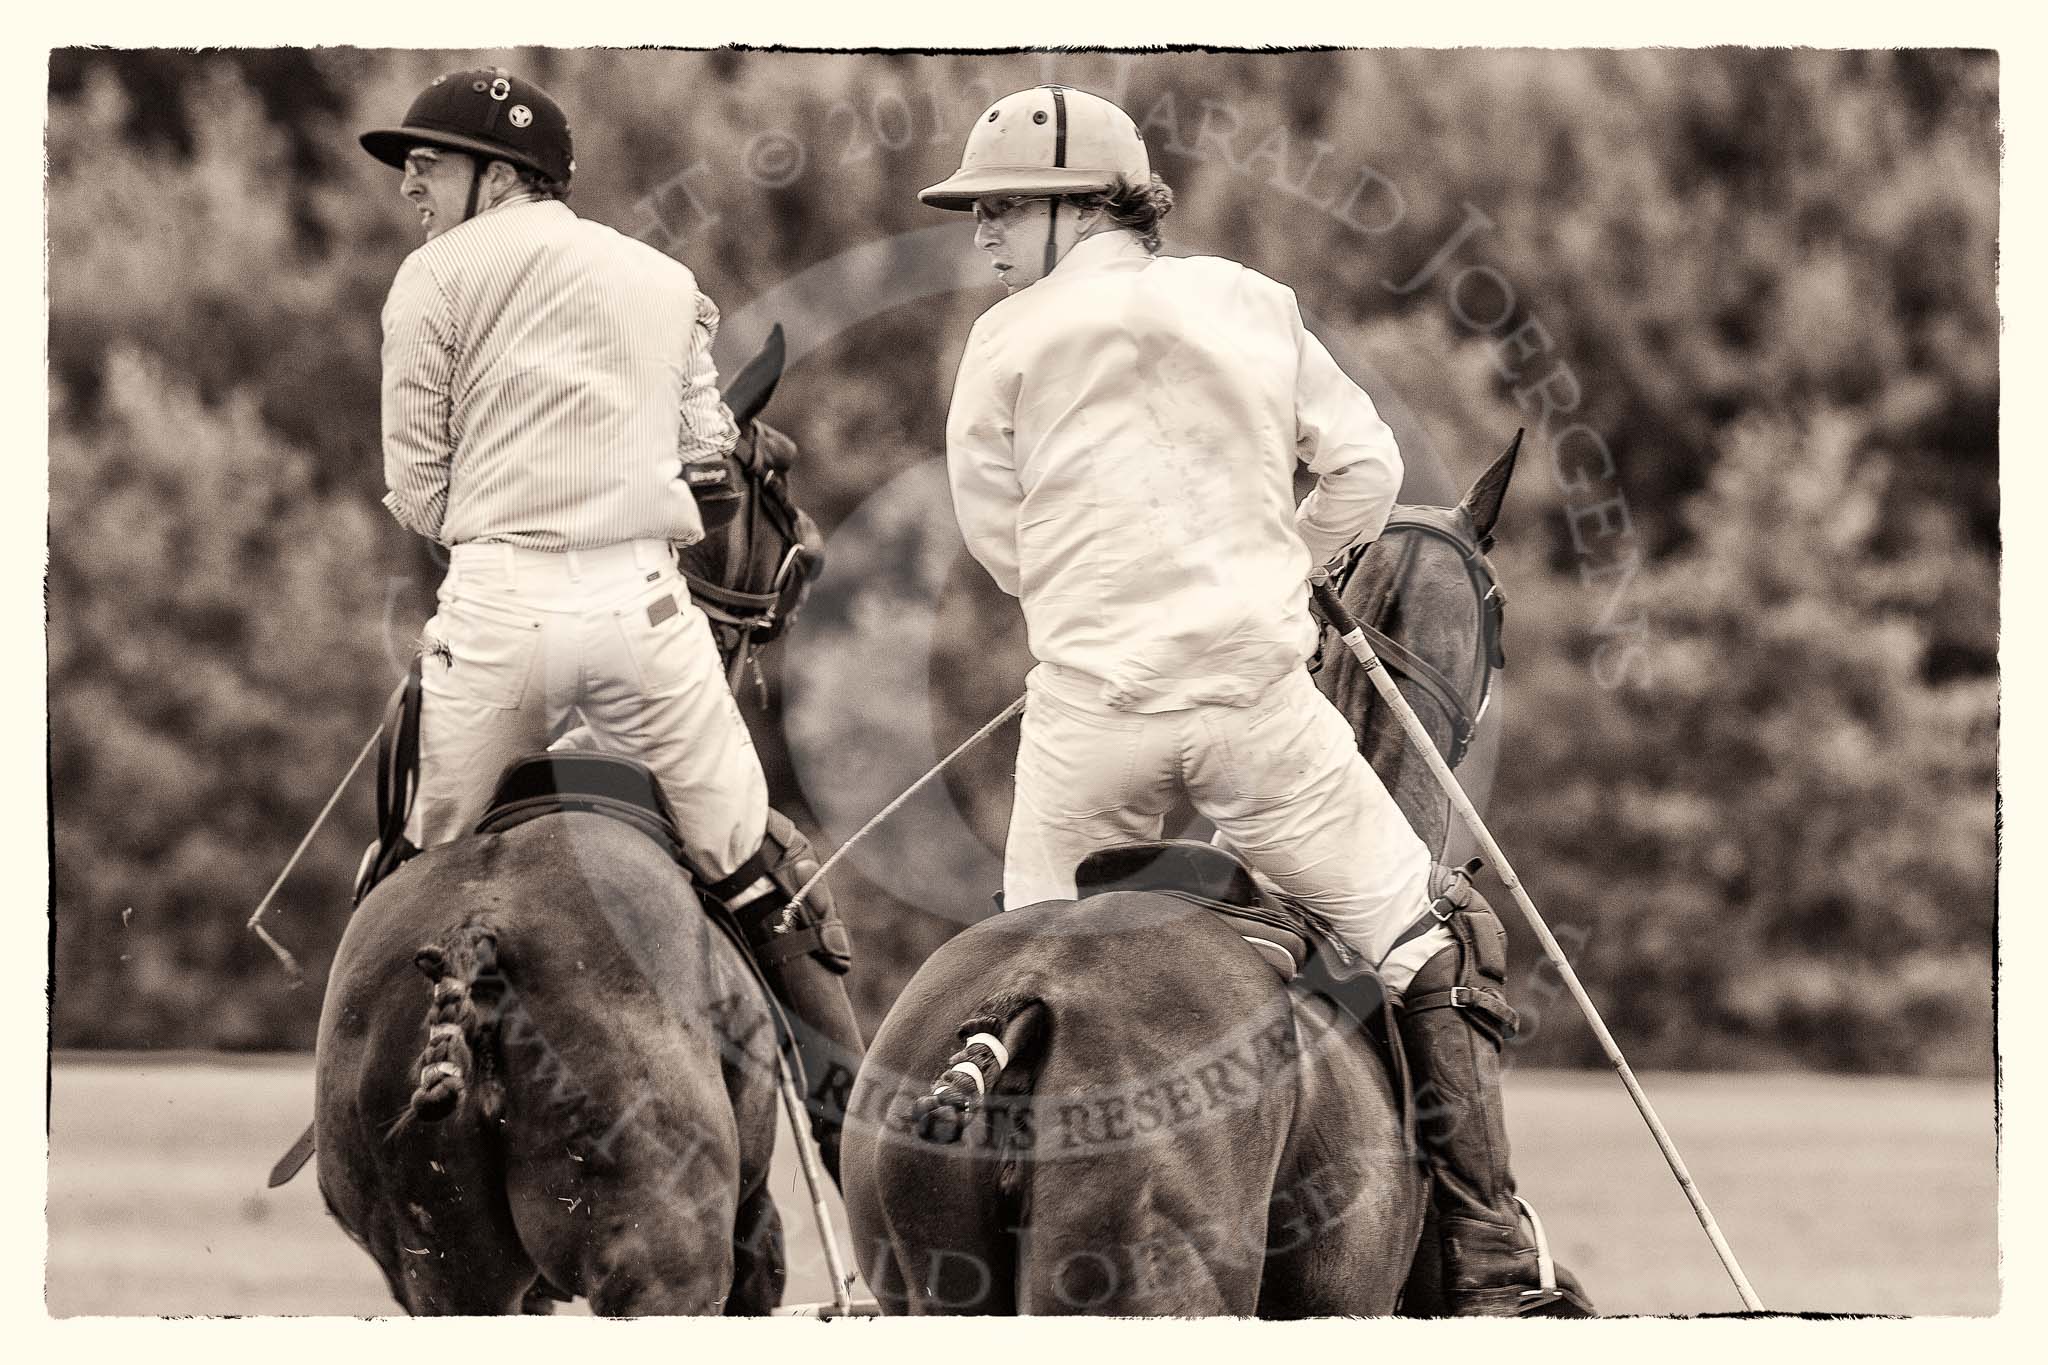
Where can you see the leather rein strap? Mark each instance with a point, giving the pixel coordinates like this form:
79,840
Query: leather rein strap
398,765
1439,689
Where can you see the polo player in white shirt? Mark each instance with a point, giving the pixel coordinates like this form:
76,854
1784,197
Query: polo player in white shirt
545,380
1122,444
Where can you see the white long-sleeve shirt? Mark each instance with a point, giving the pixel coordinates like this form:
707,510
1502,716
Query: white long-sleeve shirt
1122,446
545,378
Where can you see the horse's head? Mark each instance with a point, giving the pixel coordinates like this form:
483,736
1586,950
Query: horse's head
1426,589
760,550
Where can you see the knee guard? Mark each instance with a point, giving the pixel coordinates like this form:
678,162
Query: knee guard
785,861
1478,978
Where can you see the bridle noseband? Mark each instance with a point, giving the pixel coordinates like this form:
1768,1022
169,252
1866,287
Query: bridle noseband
1450,525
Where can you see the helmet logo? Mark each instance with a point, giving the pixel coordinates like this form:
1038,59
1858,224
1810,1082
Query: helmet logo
500,88
520,115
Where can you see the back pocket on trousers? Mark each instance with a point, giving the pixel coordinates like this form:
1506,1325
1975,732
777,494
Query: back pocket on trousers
1073,765
486,655
667,639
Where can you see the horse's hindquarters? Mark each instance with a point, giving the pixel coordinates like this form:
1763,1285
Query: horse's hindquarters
1348,1201
407,1191
1136,1160
612,1072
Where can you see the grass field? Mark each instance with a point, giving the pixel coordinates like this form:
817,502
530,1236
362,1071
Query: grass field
1838,1194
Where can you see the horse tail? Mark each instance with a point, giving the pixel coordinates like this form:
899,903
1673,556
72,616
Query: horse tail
1002,1036
462,1027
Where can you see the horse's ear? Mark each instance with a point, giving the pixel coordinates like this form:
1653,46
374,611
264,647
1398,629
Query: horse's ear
752,387
1482,501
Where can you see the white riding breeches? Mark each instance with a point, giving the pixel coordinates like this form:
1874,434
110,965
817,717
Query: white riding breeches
524,638
1281,779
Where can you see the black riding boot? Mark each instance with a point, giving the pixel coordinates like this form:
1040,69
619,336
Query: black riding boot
805,965
1495,1261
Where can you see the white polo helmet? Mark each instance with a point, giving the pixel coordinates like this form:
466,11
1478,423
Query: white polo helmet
1051,139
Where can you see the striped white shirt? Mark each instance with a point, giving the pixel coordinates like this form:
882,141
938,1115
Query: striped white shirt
545,378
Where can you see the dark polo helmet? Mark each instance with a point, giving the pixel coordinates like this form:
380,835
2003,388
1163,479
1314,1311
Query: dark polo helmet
487,111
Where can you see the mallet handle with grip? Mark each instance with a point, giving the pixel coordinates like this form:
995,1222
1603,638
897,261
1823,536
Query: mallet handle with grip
814,1182
1354,639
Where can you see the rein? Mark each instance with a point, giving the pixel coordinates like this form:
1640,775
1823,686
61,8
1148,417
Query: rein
1463,713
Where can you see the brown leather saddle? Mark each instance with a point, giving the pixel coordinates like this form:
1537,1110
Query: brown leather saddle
574,780
539,784
1285,933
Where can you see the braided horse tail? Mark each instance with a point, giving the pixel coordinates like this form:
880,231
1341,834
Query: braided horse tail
462,1027
1001,1036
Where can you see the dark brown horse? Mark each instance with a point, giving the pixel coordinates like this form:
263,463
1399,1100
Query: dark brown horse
542,1072
1167,1129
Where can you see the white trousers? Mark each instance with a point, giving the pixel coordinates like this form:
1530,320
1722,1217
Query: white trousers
1281,779
524,638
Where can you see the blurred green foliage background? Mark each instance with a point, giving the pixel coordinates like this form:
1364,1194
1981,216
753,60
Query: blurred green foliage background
1746,759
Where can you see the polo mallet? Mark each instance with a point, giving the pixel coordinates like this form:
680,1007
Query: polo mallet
814,1178
255,924
1354,639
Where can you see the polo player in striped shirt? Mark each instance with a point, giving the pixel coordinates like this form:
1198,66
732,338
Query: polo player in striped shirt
545,379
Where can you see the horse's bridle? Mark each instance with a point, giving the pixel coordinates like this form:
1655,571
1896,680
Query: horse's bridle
753,602
1452,526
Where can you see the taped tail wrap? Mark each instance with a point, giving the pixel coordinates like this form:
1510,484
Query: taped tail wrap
990,1047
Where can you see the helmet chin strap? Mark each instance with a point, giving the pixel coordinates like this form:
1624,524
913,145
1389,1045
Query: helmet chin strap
476,180
1052,222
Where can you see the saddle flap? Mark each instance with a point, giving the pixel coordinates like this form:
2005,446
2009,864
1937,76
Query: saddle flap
565,779
1284,950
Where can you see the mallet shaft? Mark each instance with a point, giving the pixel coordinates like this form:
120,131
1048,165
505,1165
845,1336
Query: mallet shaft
1354,639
